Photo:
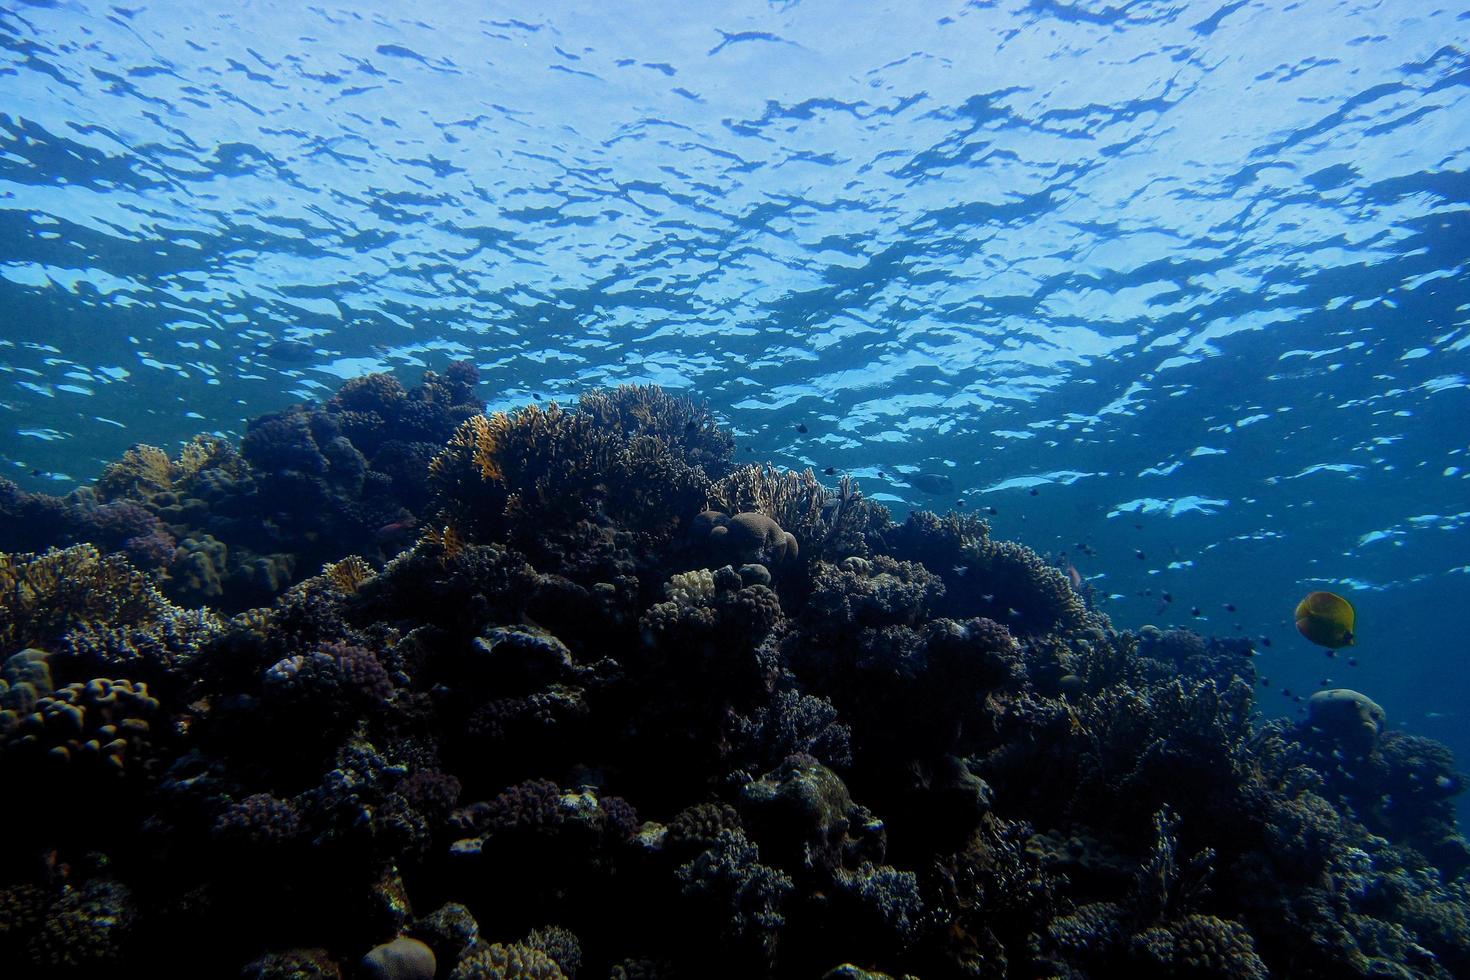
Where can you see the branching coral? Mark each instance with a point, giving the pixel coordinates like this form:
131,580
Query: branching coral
557,483
102,613
740,898
824,523
690,430
142,471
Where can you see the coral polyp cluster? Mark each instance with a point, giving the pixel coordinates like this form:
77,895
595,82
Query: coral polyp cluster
602,704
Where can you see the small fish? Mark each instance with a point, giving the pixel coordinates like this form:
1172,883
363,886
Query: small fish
989,598
1352,661
991,511
1140,555
750,449
1075,577
1230,607
1265,641
1265,682
882,475
801,427
960,570
959,505
830,471
1324,682
1012,611
1167,597
396,529
536,395
1034,491
1194,611
1286,692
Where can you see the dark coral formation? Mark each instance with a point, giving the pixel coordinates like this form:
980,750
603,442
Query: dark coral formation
234,527
621,709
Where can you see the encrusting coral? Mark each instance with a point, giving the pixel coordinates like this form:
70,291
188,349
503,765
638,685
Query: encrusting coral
398,688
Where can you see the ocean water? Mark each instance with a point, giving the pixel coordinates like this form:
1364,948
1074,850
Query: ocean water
1178,289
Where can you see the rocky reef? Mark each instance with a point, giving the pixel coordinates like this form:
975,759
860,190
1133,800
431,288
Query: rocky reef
397,689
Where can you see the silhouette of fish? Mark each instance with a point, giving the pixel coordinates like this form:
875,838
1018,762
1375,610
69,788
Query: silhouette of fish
288,350
935,483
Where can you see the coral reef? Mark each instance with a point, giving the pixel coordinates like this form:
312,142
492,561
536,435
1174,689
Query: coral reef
233,527
561,693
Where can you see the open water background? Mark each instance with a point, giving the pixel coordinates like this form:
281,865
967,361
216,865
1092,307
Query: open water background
1193,272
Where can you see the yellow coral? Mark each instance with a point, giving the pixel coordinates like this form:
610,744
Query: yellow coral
206,452
349,573
142,471
43,595
473,442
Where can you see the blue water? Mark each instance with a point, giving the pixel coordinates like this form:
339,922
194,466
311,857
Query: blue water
1193,273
